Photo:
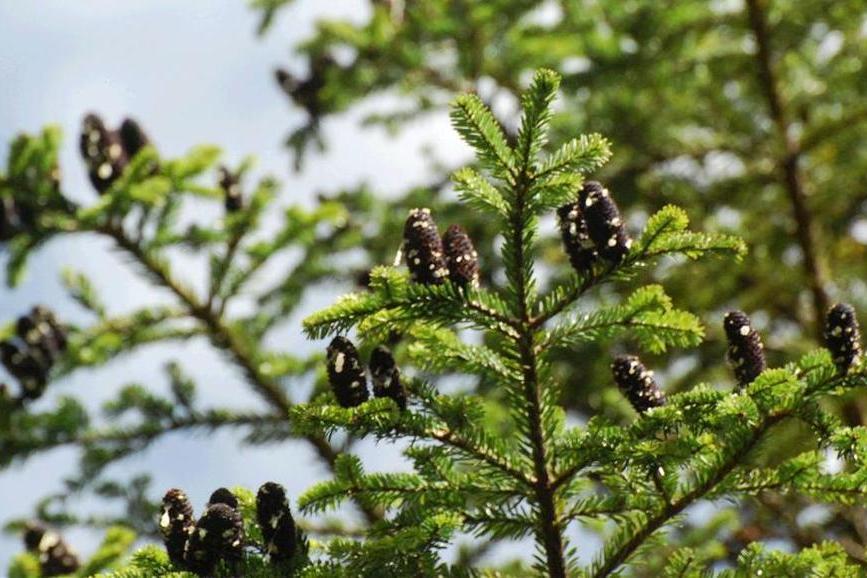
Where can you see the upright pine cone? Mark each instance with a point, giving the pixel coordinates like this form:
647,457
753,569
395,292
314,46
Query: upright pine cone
461,257
345,373
604,224
223,496
276,522
40,329
176,524
386,376
231,185
637,383
425,255
218,535
56,558
746,352
132,137
576,238
103,153
843,336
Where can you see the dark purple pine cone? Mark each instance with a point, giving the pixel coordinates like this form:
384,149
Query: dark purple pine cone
345,373
423,248
103,153
231,185
40,330
176,524
843,336
132,137
576,238
637,383
386,376
218,535
57,330
30,357
56,558
29,366
746,354
461,257
604,224
222,496
275,520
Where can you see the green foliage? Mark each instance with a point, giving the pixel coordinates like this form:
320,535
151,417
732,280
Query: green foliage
539,480
746,115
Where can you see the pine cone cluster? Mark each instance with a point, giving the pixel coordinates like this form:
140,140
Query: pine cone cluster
591,227
230,183
349,382
843,336
56,558
199,545
746,353
432,259
637,383
107,152
218,535
29,356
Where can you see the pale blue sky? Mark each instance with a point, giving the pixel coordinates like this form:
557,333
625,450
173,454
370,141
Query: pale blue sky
192,72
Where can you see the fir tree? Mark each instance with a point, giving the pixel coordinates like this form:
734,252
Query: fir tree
544,475
703,443
748,114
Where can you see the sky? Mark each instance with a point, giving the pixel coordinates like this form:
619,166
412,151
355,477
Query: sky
191,72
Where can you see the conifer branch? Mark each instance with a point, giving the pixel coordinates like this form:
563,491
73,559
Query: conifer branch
610,563
226,340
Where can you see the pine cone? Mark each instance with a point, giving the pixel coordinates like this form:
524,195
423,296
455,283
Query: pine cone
345,373
425,256
386,376
461,257
41,340
103,153
604,224
28,366
223,496
176,524
843,336
576,238
231,185
218,535
133,137
40,330
275,520
56,558
637,383
746,354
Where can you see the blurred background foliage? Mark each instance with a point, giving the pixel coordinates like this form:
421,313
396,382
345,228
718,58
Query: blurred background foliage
750,114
